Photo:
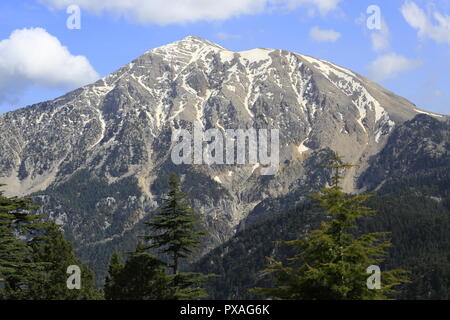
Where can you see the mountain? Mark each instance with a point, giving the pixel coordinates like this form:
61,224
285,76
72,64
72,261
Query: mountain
98,157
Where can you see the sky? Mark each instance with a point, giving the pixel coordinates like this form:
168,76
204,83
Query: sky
49,47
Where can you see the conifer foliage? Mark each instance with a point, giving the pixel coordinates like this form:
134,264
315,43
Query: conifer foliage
331,262
17,268
176,226
34,256
175,233
143,277
57,253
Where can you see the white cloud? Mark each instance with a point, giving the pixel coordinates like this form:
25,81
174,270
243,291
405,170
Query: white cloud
433,25
390,66
381,38
183,11
33,57
321,35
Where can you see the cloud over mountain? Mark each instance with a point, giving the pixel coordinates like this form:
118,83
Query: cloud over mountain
321,35
183,11
33,57
434,25
391,65
381,38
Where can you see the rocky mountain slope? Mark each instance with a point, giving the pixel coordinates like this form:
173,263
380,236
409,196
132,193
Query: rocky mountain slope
98,158
419,146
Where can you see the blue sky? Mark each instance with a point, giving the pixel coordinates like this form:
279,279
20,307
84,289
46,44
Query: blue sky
408,52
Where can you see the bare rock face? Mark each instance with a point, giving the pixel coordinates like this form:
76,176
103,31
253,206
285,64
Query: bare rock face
99,157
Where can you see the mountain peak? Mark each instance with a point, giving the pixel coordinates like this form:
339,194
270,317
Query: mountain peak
188,44
193,39
198,40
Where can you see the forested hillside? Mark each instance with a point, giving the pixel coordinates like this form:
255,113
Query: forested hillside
415,209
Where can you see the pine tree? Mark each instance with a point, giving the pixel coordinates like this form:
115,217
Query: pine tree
111,286
331,262
17,267
34,256
177,233
57,253
143,277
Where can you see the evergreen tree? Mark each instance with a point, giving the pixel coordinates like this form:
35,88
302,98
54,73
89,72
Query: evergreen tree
34,256
177,234
17,267
114,269
143,277
332,262
57,253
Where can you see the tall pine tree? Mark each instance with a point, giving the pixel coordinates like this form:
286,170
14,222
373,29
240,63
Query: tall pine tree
331,262
176,233
112,286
